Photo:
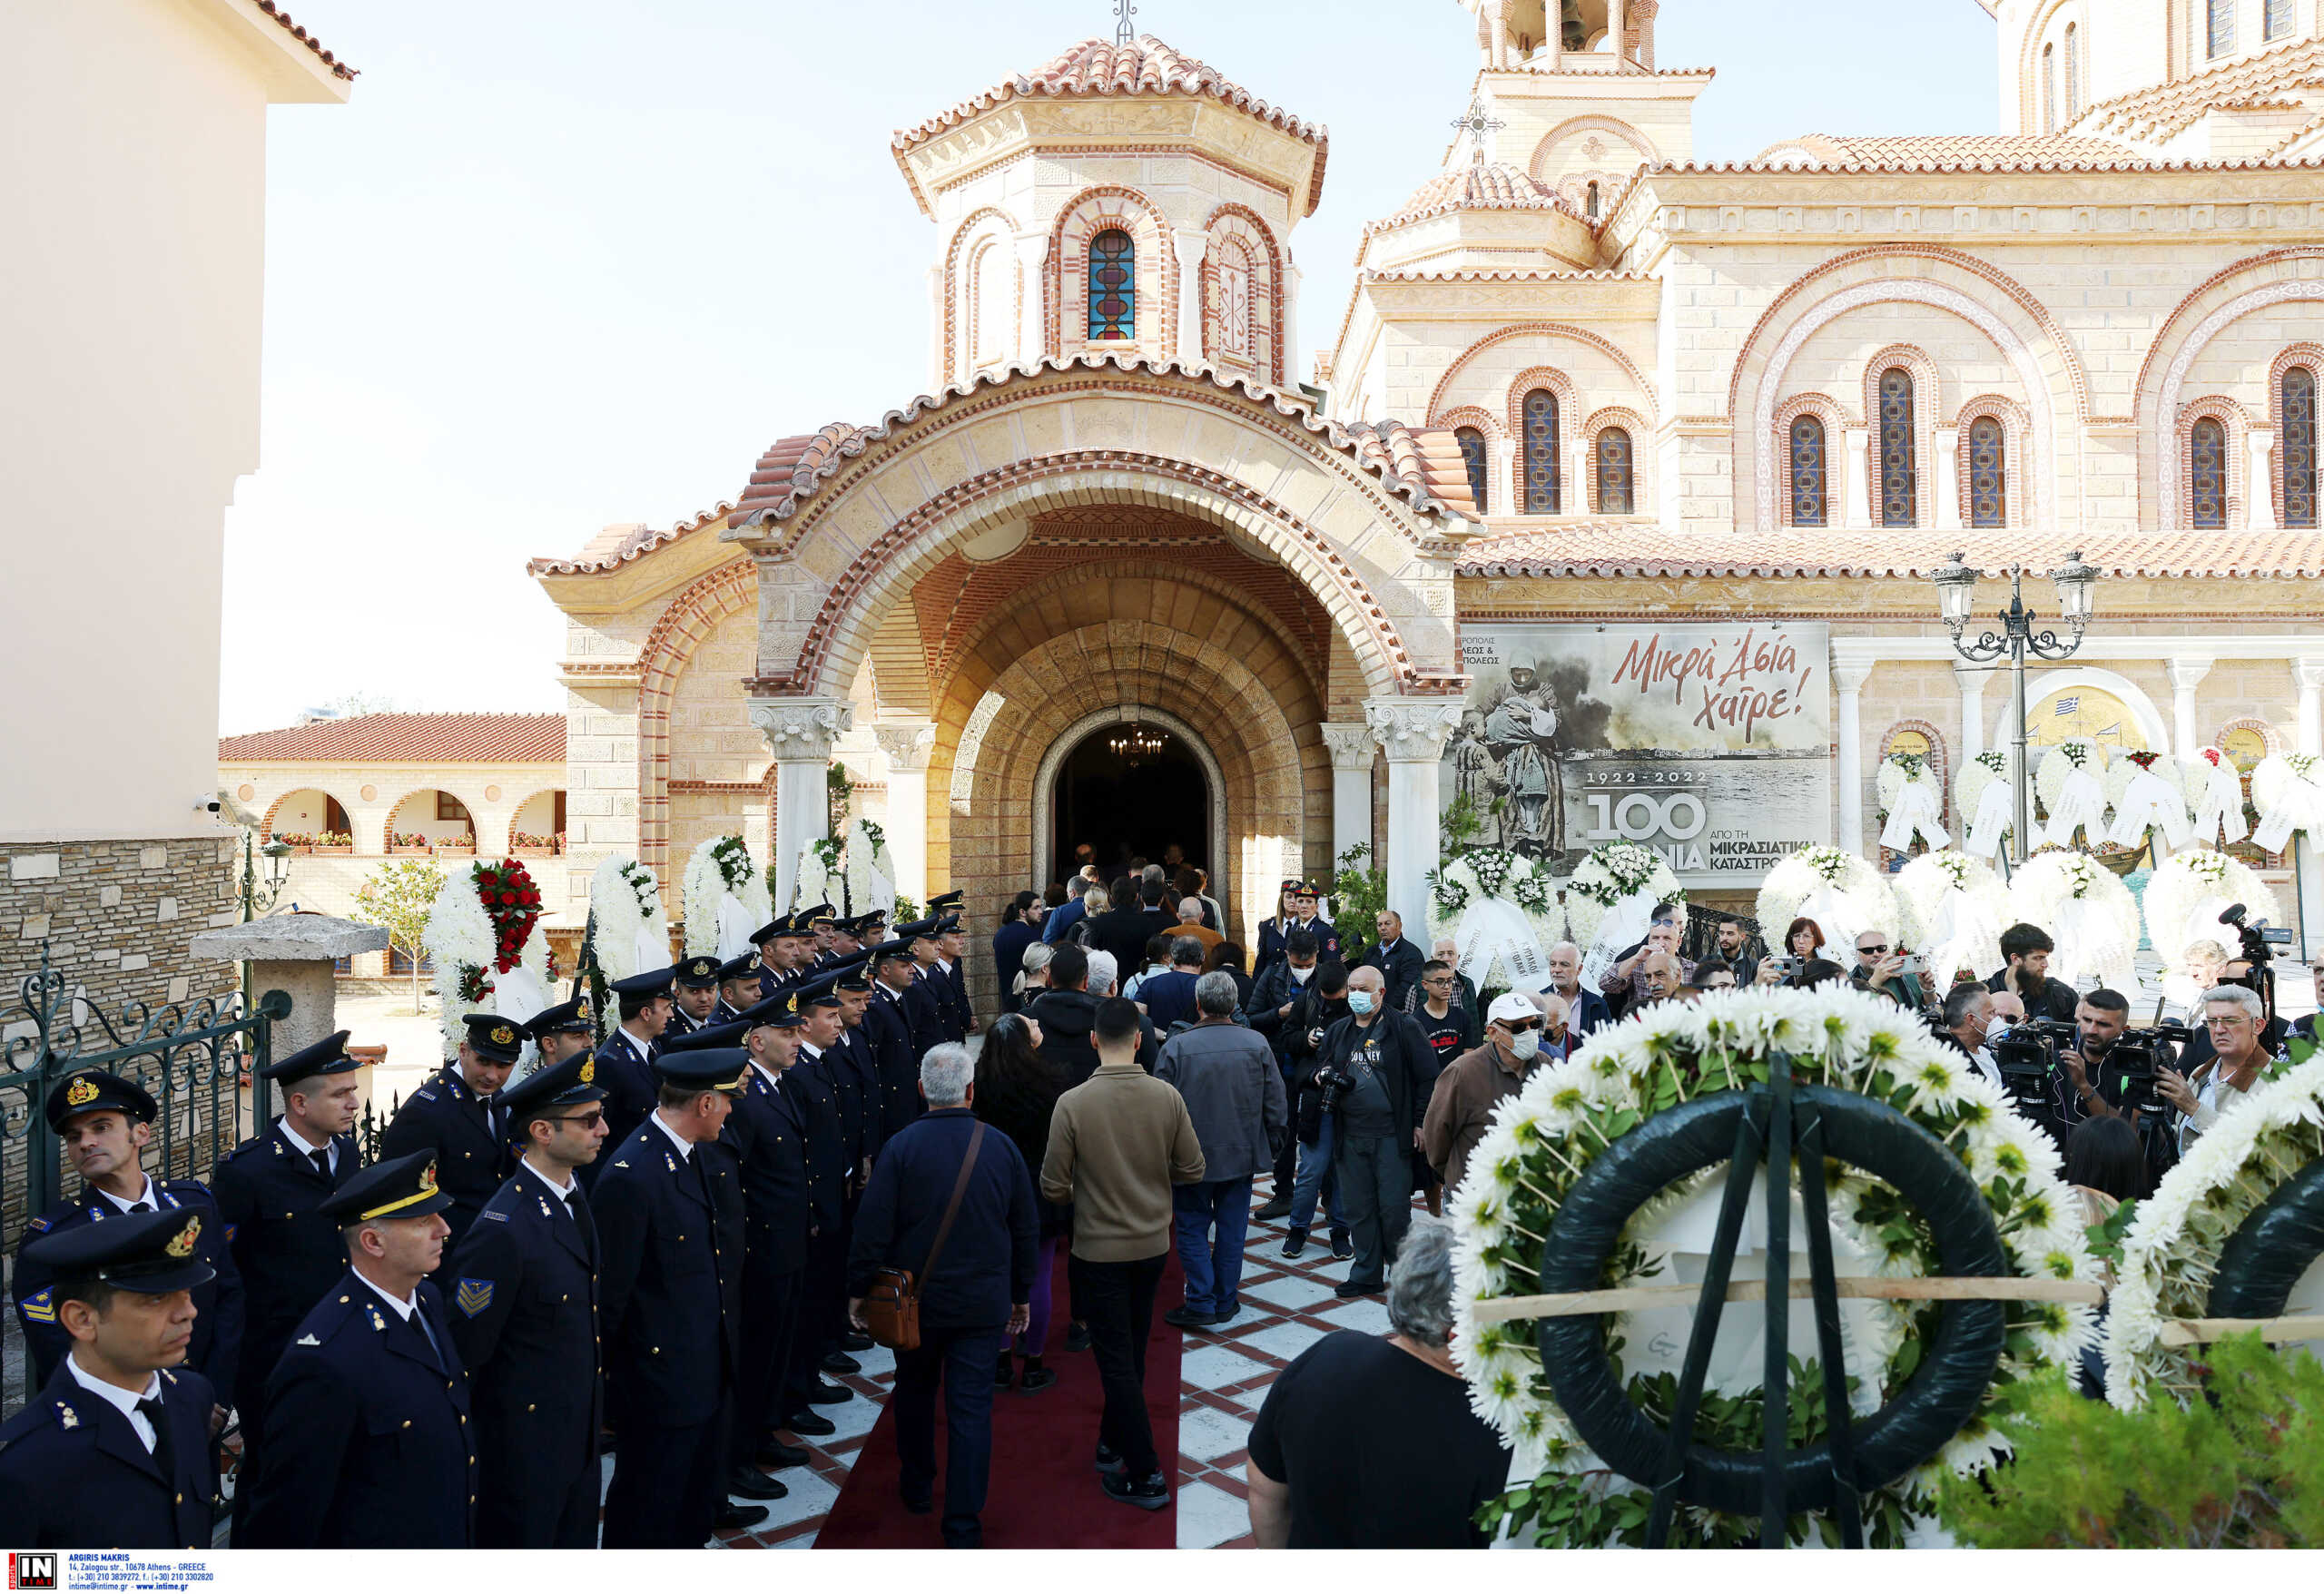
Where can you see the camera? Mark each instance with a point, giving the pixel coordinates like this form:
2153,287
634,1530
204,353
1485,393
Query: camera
2132,1060
2027,1056
1334,1085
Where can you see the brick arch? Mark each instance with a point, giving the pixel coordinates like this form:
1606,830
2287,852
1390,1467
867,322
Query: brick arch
266,825
1588,339
1828,411
2237,421
1573,126
1090,214
1929,405
1643,474
2017,491
668,650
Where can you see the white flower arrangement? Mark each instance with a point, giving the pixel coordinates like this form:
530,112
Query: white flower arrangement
2172,1248
2147,792
2214,789
722,871
2183,899
1983,803
626,902
459,941
870,877
1845,895
2087,911
1567,1113
1954,908
2288,789
818,868
1620,871
1914,799
1501,909
2070,781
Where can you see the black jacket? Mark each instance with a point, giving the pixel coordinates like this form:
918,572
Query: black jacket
367,1440
523,1298
766,1131
1400,968
287,1251
1021,1109
1406,1060
1067,1018
2058,998
1124,932
446,1118
669,1242
626,1074
1303,1055
1008,944
73,1474
219,1308
986,1264
888,1031
1269,992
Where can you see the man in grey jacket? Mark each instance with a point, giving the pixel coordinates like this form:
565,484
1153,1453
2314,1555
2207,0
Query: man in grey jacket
1234,1095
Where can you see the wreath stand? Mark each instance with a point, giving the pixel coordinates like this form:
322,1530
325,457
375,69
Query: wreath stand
1768,1126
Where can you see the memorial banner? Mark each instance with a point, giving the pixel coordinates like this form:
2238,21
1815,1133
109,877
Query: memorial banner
1710,743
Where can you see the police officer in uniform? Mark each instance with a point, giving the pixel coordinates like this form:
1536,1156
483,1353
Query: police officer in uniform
822,1316
114,1451
821,926
669,1211
893,1054
270,1190
924,1015
368,1443
776,943
738,987
460,1117
952,951
695,996
523,1294
561,1032
626,1061
106,1122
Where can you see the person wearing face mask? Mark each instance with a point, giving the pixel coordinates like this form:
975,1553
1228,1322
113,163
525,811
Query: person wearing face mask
1274,995
1475,1083
1374,1061
1320,1005
1968,1018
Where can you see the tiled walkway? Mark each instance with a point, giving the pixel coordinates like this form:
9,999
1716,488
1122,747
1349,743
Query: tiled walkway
1223,1378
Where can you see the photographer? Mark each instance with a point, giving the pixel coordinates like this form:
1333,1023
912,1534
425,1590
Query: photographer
1895,975
2087,1088
1321,1003
2026,950
2233,1016
1968,1012
1373,1064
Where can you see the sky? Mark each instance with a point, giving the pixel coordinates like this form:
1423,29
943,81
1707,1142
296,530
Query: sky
558,266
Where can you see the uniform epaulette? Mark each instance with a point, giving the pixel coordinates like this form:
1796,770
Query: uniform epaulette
251,1144
425,1093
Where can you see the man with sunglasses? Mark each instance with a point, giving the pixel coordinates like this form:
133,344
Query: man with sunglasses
1474,1084
522,1289
1881,969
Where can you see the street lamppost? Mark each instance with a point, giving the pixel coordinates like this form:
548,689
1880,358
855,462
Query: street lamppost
1956,587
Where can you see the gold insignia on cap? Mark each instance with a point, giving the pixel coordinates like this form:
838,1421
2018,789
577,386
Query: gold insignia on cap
84,1090
183,1244
503,1036
790,1006
427,1175
581,1008
588,1070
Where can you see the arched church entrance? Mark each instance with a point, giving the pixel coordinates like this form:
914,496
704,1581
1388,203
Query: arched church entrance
1129,782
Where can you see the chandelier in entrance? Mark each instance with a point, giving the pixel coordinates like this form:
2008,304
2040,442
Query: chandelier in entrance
1132,742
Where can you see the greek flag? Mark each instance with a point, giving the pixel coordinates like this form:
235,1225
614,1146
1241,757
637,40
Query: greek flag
2067,705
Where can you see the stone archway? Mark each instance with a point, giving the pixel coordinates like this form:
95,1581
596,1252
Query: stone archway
1122,713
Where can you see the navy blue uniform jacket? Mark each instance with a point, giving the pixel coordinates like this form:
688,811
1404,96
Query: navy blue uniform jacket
669,1278
767,1135
288,1252
217,1346
446,1118
813,1094
523,1293
73,1474
889,1033
925,1015
987,1266
367,1440
626,1074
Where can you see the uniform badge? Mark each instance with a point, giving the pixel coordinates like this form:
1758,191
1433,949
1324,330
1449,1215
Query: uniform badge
38,1308
581,1009
66,1417
230,1232
503,1036
671,1161
83,1090
545,1211
379,1321
473,1295
427,1175
38,1226
308,1339
588,1070
182,1245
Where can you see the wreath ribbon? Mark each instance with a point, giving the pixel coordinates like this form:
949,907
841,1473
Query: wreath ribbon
1492,929
2149,803
1626,921
2081,804
1997,812
734,928
1916,808
2220,812
1965,934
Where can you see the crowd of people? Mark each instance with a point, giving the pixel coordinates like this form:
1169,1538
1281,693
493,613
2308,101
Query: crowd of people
664,1240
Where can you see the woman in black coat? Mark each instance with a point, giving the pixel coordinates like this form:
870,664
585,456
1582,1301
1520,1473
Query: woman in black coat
1015,1092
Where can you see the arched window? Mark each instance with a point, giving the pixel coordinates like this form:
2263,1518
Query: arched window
2207,474
1472,459
1540,448
1592,202
1899,478
1614,471
2074,73
1113,287
2049,88
2219,28
1988,473
2278,18
1807,471
2299,446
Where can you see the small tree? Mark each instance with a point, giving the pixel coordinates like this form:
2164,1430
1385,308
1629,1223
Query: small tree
1359,892
398,897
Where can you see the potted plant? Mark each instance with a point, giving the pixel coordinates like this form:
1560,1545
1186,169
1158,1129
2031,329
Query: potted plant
300,844
333,842
463,844
404,842
525,845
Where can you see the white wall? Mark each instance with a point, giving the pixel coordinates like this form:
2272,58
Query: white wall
133,176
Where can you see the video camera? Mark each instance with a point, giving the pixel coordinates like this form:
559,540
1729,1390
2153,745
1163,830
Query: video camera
2027,1056
2133,1059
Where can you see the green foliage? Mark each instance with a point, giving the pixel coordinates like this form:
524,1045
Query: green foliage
1463,825
1358,894
398,897
839,792
2106,1238
2237,1470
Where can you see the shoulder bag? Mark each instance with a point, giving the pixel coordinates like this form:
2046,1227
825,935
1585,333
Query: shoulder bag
892,1305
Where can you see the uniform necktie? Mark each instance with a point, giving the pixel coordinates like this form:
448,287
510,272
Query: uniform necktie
427,1335
322,1159
140,1206
150,1410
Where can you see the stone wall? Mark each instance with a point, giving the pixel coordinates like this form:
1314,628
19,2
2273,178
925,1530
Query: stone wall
117,916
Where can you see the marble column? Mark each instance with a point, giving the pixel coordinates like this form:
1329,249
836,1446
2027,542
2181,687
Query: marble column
906,744
2259,479
1507,492
1191,247
1848,732
798,732
1032,261
1857,445
1412,732
1948,478
1352,750
2308,675
2186,673
1969,680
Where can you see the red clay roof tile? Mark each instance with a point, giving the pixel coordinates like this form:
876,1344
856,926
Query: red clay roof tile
401,738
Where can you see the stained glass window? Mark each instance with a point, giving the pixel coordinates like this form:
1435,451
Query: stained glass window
2207,474
2219,28
1899,480
1988,473
1113,286
1807,471
1473,457
1614,471
2299,444
2278,18
1540,448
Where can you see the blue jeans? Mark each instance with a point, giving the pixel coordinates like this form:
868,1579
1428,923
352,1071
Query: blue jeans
1214,1266
961,1360
1316,1173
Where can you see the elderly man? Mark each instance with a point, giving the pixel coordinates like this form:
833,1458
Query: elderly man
2234,1017
1168,997
1397,959
1234,1096
1657,978
1372,1061
975,1286
1968,1013
1475,1083
1625,984
1587,1012
1444,949
1368,1443
1190,924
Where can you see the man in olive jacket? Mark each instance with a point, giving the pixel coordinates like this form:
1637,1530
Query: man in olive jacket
1376,1057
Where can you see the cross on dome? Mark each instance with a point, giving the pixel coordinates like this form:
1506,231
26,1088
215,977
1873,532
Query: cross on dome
1125,30
1476,122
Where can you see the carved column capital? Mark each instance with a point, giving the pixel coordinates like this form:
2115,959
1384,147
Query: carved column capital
801,730
907,743
1351,746
1412,730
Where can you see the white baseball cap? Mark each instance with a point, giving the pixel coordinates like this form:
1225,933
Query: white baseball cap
1510,1007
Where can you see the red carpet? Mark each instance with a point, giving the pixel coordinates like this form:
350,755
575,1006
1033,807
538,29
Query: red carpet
1044,1493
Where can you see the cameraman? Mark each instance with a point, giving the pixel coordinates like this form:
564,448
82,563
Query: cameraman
2087,1089
2025,950
2233,1017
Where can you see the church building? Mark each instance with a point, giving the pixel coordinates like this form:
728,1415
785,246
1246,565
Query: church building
1610,498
